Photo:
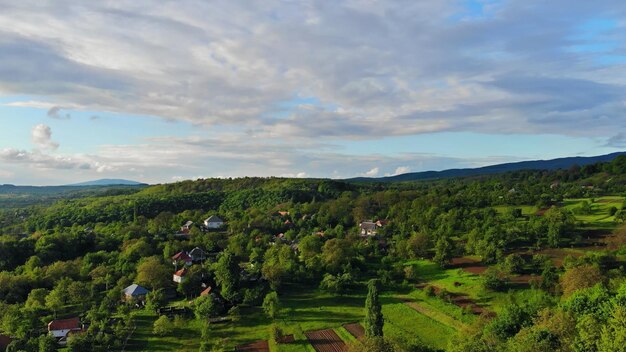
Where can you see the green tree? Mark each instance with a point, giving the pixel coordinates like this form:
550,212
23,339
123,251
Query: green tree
153,273
55,300
37,298
206,307
227,275
47,343
271,305
374,320
163,326
444,249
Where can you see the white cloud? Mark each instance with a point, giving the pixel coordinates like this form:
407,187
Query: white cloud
42,137
377,68
400,170
372,172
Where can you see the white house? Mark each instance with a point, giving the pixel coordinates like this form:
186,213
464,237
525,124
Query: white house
179,276
213,222
60,328
368,228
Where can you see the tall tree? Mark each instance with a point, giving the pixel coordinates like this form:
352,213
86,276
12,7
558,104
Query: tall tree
227,275
373,311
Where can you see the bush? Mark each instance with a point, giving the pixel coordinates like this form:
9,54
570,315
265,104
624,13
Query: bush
580,277
514,264
429,290
253,296
276,333
163,326
494,279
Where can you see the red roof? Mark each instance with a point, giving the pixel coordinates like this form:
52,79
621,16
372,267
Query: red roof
206,291
182,272
64,324
183,256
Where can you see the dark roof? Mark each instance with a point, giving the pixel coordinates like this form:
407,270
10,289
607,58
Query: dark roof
64,324
213,218
367,225
135,290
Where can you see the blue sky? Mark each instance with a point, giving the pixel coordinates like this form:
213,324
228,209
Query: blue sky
160,92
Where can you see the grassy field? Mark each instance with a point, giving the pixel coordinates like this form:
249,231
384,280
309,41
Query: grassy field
403,321
599,208
302,310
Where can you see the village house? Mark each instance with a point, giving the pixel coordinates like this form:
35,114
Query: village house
368,228
206,291
197,255
180,276
135,291
61,328
213,222
182,257
186,227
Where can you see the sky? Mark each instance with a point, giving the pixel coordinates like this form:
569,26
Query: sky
163,91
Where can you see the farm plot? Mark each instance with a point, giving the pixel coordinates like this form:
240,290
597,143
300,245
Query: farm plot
258,346
469,265
355,329
326,341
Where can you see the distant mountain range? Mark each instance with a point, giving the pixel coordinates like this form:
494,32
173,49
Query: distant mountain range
109,182
561,163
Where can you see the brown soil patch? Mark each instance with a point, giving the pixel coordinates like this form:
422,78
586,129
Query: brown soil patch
286,339
465,302
521,280
457,299
541,211
355,329
259,346
558,255
469,265
326,341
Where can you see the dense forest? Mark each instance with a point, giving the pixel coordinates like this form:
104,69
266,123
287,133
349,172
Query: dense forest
550,245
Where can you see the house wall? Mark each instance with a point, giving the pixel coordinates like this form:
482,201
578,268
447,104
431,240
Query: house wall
213,225
60,333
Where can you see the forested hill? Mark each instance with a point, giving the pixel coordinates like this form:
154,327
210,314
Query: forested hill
554,164
303,244
233,196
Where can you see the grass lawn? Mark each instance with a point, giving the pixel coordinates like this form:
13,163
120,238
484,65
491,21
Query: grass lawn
599,208
526,209
404,322
302,310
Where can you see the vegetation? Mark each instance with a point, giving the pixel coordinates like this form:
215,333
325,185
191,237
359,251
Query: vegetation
542,250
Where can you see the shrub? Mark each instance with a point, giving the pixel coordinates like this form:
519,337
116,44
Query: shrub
163,326
514,263
276,333
429,290
494,279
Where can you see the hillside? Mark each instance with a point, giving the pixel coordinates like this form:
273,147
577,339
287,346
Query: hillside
554,164
496,261
108,182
